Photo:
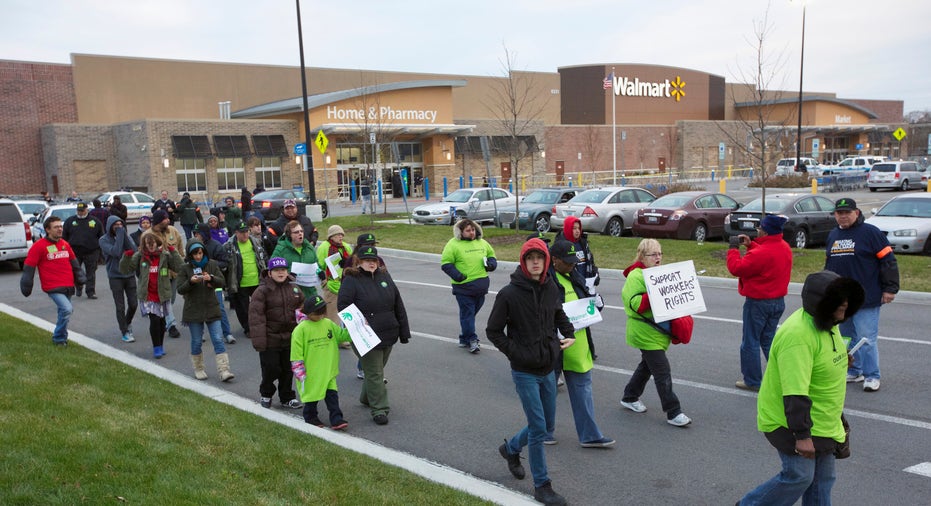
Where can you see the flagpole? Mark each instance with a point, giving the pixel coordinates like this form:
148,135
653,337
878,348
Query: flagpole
614,123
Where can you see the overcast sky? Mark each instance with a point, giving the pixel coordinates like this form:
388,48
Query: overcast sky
854,48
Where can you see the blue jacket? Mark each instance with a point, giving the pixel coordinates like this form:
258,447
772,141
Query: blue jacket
113,244
863,253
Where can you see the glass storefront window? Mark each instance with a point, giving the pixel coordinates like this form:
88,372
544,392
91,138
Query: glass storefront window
268,172
191,174
231,174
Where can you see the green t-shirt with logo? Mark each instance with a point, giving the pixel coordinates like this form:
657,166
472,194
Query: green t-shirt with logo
250,271
809,362
578,357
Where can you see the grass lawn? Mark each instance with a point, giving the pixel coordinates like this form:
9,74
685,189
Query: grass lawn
610,252
78,428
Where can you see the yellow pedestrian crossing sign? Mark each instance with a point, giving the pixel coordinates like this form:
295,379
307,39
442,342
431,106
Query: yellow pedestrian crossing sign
899,134
321,141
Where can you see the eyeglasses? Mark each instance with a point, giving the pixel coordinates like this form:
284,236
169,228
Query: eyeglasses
654,255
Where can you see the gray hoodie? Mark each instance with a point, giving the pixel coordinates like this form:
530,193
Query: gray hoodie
113,244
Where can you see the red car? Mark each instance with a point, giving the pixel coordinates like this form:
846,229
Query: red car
685,215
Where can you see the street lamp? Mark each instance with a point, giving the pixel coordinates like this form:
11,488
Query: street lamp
798,138
311,189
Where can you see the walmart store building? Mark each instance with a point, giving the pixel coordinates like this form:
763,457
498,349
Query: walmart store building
106,122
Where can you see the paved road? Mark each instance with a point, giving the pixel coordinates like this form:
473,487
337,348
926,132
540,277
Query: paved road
455,408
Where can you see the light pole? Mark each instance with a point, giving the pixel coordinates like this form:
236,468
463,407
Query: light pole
798,138
311,189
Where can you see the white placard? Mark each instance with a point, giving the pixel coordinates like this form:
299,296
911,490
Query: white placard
582,312
363,337
673,290
332,263
590,284
305,274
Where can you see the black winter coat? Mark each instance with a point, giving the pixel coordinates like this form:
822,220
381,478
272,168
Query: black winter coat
379,299
523,323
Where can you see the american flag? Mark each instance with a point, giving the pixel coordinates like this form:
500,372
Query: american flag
609,81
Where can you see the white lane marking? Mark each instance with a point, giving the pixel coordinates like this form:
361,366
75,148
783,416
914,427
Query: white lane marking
715,388
697,317
433,471
923,469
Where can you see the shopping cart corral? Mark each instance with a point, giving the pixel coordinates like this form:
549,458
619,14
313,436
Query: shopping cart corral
842,182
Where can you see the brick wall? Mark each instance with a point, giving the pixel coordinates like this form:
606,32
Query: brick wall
31,95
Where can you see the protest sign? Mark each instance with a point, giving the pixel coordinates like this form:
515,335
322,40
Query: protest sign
363,337
582,312
673,290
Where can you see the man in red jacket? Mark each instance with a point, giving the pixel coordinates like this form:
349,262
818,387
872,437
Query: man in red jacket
763,278
59,272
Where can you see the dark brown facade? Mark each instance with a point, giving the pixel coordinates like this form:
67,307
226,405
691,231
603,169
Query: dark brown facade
642,95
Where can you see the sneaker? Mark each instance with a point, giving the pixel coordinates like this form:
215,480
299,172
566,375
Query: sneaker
63,344
92,296
380,419
546,495
855,378
604,442
474,347
636,406
174,332
744,386
128,338
315,422
550,441
560,382
514,465
871,385
463,344
158,351
293,404
340,425
266,402
360,374
680,420
230,339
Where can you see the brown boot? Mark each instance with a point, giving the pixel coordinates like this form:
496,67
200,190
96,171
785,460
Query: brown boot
198,362
223,367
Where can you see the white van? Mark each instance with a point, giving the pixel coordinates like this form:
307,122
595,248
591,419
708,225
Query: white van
786,167
900,175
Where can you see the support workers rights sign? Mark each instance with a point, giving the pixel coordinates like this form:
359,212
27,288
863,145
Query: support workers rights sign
673,290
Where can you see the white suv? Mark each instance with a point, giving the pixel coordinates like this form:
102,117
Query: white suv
15,234
786,167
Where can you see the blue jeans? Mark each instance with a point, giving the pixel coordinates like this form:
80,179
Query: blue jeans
224,320
538,398
810,479
63,302
469,306
761,316
197,334
579,386
865,323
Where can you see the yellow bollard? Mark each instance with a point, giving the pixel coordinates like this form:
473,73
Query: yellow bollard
729,171
722,186
814,186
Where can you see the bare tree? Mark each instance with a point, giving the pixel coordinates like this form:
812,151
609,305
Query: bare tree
590,147
518,109
761,126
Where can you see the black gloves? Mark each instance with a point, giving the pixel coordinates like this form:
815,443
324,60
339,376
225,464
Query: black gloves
734,242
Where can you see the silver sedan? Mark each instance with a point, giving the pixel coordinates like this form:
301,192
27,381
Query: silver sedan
906,221
608,210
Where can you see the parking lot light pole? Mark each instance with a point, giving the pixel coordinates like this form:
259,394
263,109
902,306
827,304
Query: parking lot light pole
311,189
798,140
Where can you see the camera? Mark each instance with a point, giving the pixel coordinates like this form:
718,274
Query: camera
198,272
735,241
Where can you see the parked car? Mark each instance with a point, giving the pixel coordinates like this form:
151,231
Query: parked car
63,211
685,215
609,210
534,211
270,202
31,207
137,204
787,167
477,204
906,221
855,164
811,218
15,234
899,175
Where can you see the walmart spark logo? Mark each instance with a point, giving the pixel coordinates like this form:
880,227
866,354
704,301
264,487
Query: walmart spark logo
678,88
